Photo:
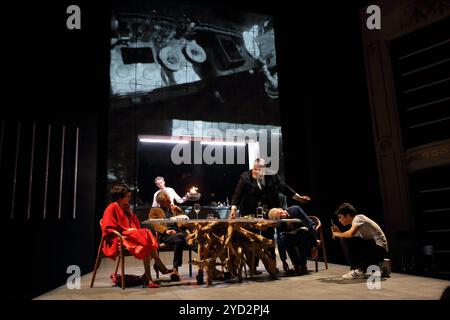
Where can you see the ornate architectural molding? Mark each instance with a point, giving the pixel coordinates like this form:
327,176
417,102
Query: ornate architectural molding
418,11
428,156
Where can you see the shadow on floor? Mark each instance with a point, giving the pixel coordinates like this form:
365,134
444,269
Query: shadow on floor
293,274
339,280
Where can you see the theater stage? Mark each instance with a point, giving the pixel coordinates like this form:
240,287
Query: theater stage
323,285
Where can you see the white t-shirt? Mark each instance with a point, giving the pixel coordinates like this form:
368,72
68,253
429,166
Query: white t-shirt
369,229
172,194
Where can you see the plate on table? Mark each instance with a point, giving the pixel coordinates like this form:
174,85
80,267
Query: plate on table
180,217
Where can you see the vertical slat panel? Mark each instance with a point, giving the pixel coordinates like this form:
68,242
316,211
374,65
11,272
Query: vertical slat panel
30,186
2,134
75,173
15,170
61,172
49,134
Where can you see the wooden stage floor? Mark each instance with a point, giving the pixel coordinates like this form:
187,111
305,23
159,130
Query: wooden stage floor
323,285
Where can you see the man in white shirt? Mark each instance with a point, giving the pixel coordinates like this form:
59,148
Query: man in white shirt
364,244
161,184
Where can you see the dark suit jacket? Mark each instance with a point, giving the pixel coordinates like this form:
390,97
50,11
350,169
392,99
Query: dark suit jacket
296,212
247,193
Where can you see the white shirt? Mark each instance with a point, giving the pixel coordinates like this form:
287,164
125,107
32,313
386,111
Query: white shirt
369,229
172,194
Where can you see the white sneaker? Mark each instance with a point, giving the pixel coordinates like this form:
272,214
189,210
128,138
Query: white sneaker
353,274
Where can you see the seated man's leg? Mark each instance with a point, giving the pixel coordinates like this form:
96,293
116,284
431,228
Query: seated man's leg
178,247
304,247
289,242
177,242
282,252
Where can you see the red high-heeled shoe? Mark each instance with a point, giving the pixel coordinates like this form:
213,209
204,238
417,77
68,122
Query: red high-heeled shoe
146,283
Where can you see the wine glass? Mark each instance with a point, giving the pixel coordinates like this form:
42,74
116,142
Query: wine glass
265,209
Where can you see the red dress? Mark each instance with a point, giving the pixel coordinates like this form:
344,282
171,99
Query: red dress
140,242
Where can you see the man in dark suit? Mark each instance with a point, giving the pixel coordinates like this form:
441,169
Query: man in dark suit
260,186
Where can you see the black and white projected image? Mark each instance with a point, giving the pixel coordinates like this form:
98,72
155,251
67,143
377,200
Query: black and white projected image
160,47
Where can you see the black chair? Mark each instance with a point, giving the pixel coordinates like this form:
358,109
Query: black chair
320,244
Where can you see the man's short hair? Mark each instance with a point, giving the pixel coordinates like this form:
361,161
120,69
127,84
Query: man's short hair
345,209
274,214
158,178
119,191
161,195
259,162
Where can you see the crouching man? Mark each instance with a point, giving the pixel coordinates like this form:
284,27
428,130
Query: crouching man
364,244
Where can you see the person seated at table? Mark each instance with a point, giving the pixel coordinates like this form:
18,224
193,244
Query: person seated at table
140,242
280,245
296,235
172,235
199,212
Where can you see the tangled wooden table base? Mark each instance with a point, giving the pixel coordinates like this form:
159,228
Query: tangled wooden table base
230,244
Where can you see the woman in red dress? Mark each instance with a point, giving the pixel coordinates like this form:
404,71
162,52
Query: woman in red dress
140,242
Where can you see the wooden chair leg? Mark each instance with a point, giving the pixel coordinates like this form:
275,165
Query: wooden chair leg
97,262
117,264
324,251
122,266
245,267
190,262
317,262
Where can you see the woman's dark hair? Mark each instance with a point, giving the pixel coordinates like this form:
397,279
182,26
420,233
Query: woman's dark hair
345,209
119,192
